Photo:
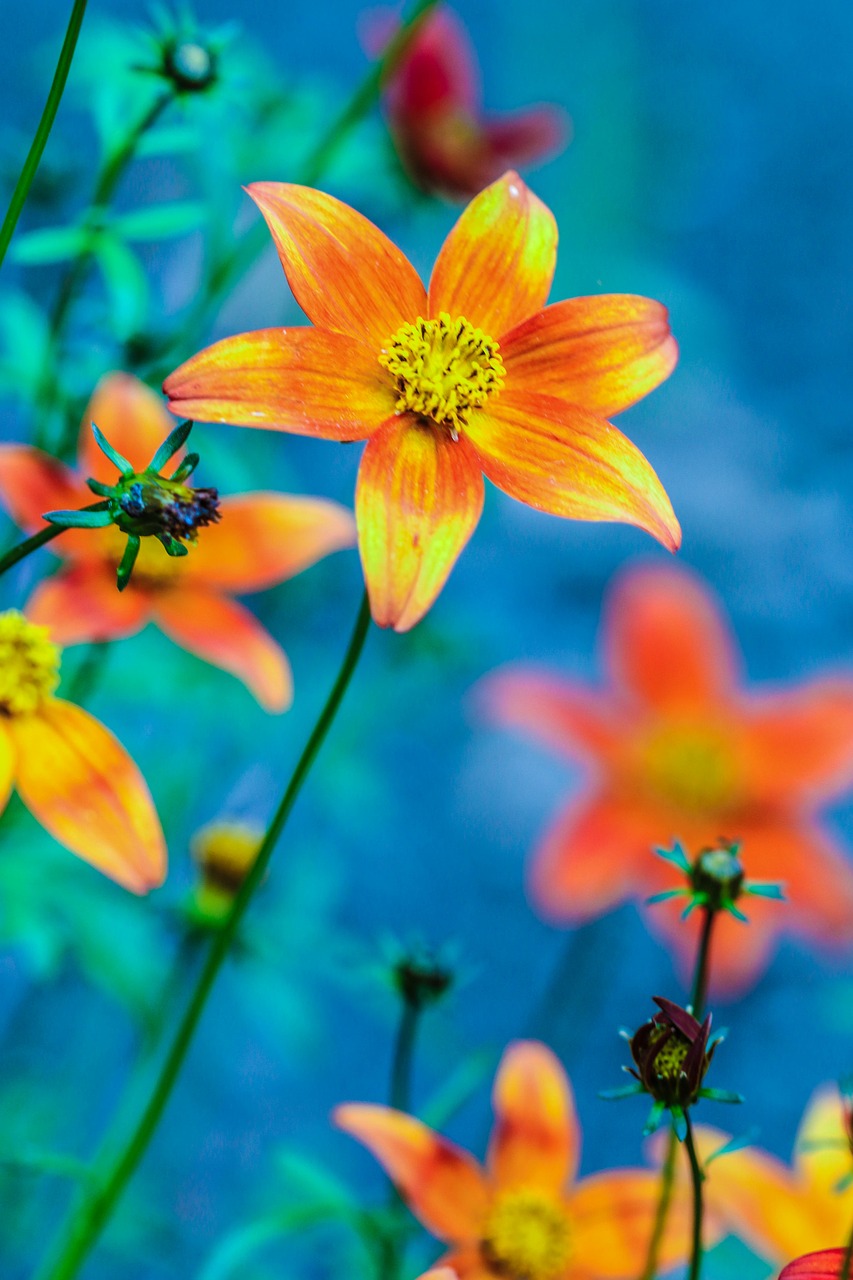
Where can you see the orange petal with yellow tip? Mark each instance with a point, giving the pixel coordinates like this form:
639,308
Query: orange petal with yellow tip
32,482
574,719
134,420
306,381
418,499
263,538
81,605
559,458
496,266
826,1264
345,274
602,353
799,745
612,1217
536,1140
78,781
442,1184
225,634
666,643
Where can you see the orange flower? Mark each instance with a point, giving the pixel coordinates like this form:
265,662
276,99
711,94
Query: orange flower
435,114
262,539
677,751
76,779
492,381
522,1217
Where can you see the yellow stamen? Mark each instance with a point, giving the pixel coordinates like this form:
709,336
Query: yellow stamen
29,665
669,1063
443,368
527,1236
693,768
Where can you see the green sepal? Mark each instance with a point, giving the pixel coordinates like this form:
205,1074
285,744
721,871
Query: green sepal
102,490
172,547
697,900
676,855
79,519
654,1120
734,1144
721,1095
173,442
760,890
666,895
114,456
186,468
626,1091
128,560
679,1123
736,912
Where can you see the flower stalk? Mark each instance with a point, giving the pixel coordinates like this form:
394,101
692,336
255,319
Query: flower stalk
20,552
697,1175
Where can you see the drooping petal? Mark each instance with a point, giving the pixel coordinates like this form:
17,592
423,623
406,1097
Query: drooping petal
799,745
78,781
602,353
442,1184
666,642
345,274
82,605
264,538
32,482
575,720
561,459
307,381
418,499
225,634
612,1219
496,266
825,1264
536,1139
132,417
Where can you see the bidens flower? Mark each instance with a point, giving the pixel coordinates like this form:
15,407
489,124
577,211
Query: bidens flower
478,376
260,539
72,774
676,750
522,1217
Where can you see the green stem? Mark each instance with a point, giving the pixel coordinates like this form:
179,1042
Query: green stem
697,1177
847,1260
88,672
31,164
47,534
399,1096
86,1226
700,981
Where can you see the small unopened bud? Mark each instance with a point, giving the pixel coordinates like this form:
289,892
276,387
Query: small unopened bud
190,66
224,853
152,505
421,979
718,875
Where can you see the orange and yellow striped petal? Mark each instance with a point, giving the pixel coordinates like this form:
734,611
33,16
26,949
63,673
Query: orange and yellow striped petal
442,1184
559,458
81,605
224,633
602,353
798,746
32,482
78,781
345,273
612,1217
496,266
826,1264
310,382
264,538
536,1140
575,720
418,500
132,417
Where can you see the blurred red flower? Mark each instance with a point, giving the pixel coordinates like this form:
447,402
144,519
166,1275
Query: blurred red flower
825,1265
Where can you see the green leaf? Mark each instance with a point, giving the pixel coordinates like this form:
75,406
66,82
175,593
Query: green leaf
50,244
161,221
126,286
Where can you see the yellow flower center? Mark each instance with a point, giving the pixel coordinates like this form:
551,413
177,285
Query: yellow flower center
29,665
443,368
669,1062
693,768
527,1236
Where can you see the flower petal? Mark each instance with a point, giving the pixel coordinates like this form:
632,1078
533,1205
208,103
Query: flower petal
666,641
7,767
81,605
822,1152
825,1264
559,458
602,353
418,499
32,482
496,266
345,274
442,1184
438,70
799,745
306,381
265,538
575,720
525,137
78,781
536,1139
612,1217
132,417
225,634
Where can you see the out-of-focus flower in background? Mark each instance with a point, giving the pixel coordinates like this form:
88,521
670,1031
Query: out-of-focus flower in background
224,854
824,1265
523,1216
261,539
676,750
433,103
76,779
493,382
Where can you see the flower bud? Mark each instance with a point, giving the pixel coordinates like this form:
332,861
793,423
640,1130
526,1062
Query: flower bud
672,1054
224,854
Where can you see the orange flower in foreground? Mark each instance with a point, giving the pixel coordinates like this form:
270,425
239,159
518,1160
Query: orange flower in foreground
522,1217
262,539
677,751
825,1265
476,377
76,779
434,106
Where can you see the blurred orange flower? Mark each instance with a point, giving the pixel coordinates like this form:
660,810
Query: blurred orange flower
491,382
76,779
433,102
262,539
676,750
522,1217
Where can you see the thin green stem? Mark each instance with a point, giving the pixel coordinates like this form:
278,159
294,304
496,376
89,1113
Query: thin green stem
47,534
389,1250
697,1176
31,164
87,1224
700,981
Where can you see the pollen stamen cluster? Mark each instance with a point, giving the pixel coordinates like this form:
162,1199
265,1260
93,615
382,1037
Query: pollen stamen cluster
527,1237
670,1058
29,665
443,368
